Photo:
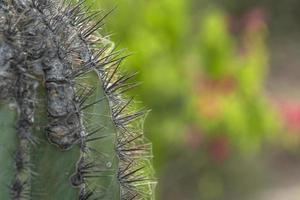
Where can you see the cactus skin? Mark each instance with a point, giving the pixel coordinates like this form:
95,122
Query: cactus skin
70,133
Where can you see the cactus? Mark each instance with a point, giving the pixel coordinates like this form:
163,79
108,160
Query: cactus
68,131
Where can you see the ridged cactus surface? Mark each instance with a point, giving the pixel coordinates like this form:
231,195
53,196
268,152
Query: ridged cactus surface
67,129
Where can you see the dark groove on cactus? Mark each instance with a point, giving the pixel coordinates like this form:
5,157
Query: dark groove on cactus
25,98
56,44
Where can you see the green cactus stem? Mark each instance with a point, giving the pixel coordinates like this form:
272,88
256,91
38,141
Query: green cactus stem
68,131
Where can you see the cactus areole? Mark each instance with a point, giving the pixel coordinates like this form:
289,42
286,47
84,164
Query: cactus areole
67,129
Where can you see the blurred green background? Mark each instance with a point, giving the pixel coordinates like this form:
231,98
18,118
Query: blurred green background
221,80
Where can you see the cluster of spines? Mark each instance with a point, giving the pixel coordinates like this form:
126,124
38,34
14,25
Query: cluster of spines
130,145
132,149
114,85
71,48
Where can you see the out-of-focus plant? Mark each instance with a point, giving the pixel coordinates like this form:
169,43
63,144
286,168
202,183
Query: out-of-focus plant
232,113
230,96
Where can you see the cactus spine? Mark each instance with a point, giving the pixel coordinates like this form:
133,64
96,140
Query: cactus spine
68,131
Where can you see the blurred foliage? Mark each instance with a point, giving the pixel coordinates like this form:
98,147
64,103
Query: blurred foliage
230,88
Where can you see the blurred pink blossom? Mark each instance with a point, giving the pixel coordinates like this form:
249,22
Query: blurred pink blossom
290,113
